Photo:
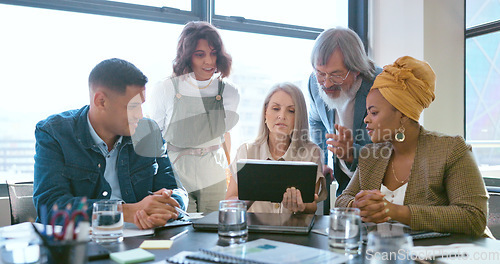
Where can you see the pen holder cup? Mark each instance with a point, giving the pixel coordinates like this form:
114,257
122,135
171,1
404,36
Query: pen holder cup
74,252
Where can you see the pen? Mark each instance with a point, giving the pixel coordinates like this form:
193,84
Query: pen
176,208
43,216
178,235
44,239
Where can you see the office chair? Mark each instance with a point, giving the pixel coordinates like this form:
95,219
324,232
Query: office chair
494,214
22,208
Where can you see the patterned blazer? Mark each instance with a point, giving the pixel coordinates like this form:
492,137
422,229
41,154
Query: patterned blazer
445,192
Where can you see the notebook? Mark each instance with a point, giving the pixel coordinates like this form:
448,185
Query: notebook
267,180
260,251
264,222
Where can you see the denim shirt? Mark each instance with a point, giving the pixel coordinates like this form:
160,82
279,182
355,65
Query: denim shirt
69,166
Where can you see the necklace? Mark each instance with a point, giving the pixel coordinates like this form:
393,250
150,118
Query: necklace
394,174
196,86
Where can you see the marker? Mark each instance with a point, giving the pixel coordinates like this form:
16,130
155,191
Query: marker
176,208
178,235
43,216
83,233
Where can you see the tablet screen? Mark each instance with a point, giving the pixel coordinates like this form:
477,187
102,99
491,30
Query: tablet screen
266,180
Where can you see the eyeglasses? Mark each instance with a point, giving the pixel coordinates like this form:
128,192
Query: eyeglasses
335,79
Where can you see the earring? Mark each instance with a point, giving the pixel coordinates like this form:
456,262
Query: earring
400,135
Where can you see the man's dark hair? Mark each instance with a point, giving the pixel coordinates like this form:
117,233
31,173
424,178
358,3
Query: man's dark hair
116,74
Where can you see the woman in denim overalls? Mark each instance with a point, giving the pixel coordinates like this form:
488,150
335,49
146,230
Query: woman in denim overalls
195,108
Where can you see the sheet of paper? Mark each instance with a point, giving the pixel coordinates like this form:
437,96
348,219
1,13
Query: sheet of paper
132,256
156,244
457,254
131,230
194,216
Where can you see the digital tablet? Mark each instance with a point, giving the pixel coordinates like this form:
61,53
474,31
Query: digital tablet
267,180
284,223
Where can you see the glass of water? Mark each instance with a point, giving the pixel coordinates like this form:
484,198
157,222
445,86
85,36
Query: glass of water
107,221
345,230
389,248
232,218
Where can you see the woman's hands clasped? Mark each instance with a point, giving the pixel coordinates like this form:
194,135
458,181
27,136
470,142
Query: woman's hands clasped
372,205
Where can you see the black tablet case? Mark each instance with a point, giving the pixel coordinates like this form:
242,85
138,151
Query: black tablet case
266,180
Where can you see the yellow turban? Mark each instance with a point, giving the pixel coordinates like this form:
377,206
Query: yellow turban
408,84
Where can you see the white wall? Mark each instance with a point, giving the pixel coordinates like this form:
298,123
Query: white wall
427,30
396,29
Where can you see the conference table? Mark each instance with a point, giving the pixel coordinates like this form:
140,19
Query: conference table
194,240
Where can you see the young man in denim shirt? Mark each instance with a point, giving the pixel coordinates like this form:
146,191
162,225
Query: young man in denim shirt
89,153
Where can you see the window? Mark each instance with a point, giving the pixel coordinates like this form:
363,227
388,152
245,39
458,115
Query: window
294,12
257,67
46,62
179,4
481,12
482,110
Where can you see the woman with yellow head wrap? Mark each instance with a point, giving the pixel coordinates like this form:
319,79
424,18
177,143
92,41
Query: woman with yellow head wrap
423,179
408,85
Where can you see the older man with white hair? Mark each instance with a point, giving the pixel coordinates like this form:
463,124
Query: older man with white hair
338,86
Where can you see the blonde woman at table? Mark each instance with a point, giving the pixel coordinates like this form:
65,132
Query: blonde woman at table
283,136
195,109
423,179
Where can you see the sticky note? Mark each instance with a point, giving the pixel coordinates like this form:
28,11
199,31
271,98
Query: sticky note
132,256
156,244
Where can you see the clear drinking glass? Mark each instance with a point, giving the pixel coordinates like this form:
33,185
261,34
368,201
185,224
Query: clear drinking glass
345,230
107,221
232,218
388,248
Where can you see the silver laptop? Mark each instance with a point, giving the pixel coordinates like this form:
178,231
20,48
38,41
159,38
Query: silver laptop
264,222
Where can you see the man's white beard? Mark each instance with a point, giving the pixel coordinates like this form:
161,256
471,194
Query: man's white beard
334,103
